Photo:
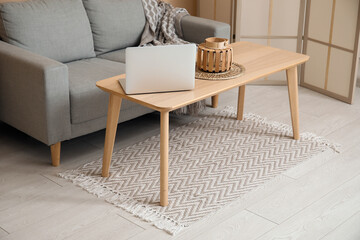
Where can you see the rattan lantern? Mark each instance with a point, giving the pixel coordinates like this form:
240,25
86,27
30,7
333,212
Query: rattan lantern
214,55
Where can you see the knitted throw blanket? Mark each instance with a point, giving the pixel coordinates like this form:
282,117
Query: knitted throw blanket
163,26
162,23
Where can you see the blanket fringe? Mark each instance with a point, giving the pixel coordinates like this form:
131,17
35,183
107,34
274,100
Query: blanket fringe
192,109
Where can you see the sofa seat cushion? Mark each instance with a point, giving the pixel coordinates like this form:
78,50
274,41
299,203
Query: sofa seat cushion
115,24
116,56
57,29
88,102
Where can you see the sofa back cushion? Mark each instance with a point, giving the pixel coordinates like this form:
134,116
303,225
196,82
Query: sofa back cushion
57,29
115,24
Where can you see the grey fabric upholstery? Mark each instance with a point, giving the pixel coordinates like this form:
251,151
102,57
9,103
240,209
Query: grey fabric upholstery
52,101
126,113
88,102
34,94
115,24
57,29
116,56
196,29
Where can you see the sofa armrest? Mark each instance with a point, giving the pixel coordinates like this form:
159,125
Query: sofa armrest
34,94
196,29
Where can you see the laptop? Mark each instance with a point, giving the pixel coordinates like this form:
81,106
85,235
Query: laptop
159,69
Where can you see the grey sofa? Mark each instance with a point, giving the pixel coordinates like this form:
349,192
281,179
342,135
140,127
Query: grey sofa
53,51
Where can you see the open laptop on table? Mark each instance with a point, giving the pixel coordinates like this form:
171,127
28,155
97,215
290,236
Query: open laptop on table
159,69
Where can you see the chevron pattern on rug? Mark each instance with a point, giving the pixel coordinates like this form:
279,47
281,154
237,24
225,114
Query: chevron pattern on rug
212,162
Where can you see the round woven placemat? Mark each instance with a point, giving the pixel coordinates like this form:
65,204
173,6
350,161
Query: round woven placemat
235,71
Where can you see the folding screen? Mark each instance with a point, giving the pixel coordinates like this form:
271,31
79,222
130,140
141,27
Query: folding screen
277,23
331,39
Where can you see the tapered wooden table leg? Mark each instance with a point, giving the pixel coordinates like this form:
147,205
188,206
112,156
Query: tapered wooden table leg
111,125
215,101
164,156
292,80
241,101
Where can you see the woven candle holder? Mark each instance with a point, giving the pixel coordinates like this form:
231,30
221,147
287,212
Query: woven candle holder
214,55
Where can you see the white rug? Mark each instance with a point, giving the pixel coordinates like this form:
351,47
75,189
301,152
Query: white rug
212,162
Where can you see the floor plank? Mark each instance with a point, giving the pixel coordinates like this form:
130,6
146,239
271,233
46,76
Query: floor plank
308,166
111,227
203,226
65,223
322,216
233,228
324,125
347,136
76,222
32,195
54,201
22,190
349,230
294,197
11,180
3,233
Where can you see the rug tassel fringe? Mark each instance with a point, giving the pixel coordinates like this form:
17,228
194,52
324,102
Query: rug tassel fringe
132,206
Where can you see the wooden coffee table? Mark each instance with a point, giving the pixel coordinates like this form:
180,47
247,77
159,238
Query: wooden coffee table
259,61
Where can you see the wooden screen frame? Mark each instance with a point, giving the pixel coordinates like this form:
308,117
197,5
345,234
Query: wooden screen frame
352,86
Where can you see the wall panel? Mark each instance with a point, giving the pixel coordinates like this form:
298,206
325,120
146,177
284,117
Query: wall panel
190,5
206,9
223,11
219,10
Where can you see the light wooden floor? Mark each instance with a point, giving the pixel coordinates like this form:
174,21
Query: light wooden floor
319,201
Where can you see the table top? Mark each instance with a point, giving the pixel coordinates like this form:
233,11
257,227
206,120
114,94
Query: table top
258,60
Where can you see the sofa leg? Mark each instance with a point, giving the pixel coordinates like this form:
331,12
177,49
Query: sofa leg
214,101
55,154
